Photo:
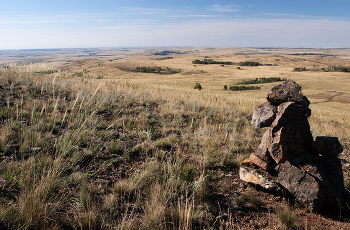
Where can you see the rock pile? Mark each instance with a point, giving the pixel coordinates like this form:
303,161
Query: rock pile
288,160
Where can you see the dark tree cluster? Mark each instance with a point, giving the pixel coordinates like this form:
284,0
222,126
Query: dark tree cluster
261,80
240,88
250,63
153,69
211,61
299,69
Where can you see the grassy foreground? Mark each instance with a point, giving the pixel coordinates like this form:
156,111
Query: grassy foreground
103,154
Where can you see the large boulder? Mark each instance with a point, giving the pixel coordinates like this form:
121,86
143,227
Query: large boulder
289,134
302,185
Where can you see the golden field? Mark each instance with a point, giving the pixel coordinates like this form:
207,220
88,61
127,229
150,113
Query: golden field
86,145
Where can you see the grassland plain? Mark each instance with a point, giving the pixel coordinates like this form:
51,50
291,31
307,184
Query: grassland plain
94,147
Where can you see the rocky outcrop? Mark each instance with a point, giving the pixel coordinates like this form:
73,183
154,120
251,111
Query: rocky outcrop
288,159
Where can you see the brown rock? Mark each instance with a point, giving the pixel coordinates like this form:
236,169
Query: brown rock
288,91
263,115
304,187
327,146
248,163
257,161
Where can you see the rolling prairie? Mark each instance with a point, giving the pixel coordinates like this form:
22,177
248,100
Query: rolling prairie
118,138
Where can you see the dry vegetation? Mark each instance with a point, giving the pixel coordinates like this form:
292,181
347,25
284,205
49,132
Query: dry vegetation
108,149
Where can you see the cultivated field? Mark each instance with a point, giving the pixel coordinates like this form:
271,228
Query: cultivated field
89,140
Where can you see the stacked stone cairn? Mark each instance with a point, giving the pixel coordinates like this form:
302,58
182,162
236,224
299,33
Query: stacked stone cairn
288,161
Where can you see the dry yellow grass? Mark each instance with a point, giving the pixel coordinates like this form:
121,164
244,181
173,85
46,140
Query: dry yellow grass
185,137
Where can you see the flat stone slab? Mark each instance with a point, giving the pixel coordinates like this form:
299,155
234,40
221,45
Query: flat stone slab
260,178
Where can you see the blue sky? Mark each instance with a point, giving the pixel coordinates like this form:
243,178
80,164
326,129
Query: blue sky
30,24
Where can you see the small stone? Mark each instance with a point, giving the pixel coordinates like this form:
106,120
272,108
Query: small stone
221,176
102,181
327,146
242,185
223,216
35,149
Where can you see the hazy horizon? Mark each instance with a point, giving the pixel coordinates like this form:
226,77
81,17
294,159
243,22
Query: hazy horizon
40,24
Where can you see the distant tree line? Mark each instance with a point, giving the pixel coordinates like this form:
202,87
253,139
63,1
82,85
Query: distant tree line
242,87
153,69
211,61
339,68
250,63
47,71
299,69
261,80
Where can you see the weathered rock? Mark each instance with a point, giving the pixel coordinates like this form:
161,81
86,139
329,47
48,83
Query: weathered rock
305,104
328,172
312,179
305,188
260,178
290,133
331,171
249,164
306,159
255,160
263,115
288,91
327,146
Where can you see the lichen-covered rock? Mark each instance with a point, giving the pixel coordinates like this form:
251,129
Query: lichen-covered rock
327,146
290,133
303,186
260,178
288,91
263,115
